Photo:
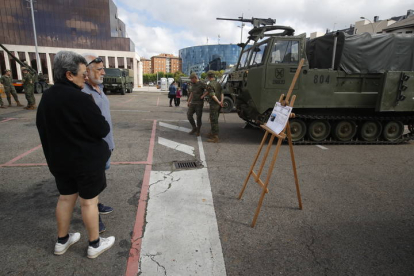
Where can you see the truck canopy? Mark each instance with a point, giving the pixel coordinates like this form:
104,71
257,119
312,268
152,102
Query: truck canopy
113,72
364,53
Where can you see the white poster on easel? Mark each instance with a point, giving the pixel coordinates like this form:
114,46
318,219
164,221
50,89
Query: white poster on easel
279,118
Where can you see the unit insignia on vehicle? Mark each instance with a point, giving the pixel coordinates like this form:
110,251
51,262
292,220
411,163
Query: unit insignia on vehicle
280,73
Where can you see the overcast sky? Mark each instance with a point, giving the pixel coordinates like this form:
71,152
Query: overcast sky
161,26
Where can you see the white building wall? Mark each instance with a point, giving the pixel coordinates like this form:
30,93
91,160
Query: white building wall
138,68
364,26
316,34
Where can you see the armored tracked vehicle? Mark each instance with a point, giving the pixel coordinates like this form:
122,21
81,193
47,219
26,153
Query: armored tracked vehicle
352,89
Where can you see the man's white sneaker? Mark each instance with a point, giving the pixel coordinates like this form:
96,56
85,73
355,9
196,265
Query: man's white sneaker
62,248
104,244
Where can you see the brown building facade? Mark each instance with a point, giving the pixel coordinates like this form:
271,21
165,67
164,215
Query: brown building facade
146,66
166,63
82,29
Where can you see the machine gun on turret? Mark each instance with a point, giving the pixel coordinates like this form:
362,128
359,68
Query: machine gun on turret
256,22
260,27
40,83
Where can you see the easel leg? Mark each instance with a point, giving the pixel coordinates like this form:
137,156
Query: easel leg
269,174
254,163
294,165
269,146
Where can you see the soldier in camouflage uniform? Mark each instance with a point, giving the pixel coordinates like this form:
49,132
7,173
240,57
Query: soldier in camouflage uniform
7,82
216,103
28,86
196,103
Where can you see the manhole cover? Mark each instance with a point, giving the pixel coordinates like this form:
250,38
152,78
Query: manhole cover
186,164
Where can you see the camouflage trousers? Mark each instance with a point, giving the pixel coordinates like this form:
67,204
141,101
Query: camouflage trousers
198,110
214,116
29,92
12,91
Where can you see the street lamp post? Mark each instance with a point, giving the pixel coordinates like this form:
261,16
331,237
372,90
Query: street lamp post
39,67
241,32
372,24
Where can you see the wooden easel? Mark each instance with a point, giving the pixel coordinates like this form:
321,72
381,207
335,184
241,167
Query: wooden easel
281,136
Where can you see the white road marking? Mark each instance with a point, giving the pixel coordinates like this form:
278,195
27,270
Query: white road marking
202,156
322,147
181,235
177,146
174,127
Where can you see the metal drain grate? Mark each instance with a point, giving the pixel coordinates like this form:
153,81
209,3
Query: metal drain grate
186,164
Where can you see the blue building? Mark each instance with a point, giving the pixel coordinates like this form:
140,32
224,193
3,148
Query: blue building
217,57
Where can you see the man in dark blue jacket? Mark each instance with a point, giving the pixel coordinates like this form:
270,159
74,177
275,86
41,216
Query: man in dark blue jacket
71,128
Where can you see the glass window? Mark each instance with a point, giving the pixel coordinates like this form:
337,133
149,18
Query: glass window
2,62
103,60
285,51
22,56
43,63
111,61
258,54
121,62
32,62
243,58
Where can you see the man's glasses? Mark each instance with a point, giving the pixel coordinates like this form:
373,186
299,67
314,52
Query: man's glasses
96,60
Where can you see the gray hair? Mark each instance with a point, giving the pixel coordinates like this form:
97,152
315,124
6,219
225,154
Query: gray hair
89,57
66,61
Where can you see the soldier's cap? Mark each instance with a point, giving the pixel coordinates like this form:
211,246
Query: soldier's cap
193,76
7,70
210,73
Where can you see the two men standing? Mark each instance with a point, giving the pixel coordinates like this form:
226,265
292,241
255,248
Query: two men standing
71,128
196,102
28,86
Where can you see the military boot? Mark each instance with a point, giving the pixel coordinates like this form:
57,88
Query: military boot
2,106
9,102
18,103
198,131
213,139
193,130
209,135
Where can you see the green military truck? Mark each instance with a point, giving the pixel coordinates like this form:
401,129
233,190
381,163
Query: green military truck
229,98
118,80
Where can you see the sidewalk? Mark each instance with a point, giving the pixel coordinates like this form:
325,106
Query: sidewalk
148,89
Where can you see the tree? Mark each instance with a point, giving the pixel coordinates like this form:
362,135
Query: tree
178,75
147,78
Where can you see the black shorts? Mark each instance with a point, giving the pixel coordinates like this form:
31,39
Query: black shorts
87,184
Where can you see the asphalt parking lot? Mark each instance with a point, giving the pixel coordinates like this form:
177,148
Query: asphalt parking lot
357,216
